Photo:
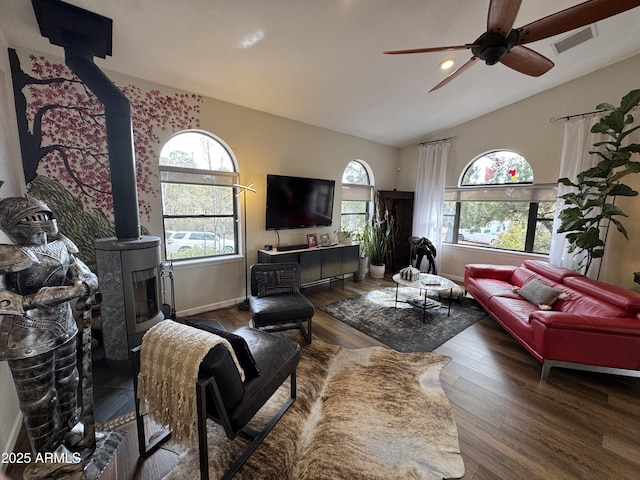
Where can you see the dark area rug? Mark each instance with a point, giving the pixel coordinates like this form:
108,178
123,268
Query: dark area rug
401,328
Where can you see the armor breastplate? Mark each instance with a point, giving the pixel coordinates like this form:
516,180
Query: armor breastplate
49,271
44,329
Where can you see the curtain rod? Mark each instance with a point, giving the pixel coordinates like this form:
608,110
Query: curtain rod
455,137
567,117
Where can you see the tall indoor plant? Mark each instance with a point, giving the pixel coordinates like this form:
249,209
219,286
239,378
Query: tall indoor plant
590,206
376,241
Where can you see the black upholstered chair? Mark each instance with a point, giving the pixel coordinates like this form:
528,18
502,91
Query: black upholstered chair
276,302
267,361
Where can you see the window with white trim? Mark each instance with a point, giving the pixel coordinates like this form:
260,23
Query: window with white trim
357,197
199,208
498,205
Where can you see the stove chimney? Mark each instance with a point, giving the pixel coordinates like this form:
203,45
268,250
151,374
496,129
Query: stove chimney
83,35
128,264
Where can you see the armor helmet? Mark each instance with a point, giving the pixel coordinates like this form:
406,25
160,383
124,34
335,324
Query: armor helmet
27,220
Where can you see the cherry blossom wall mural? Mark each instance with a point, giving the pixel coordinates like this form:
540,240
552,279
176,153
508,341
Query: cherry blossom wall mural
63,140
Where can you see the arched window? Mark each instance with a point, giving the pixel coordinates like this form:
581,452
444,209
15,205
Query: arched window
357,188
197,174
499,167
498,205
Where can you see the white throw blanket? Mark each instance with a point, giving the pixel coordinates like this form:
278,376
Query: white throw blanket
170,358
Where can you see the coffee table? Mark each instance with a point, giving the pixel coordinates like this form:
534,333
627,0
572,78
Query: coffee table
426,282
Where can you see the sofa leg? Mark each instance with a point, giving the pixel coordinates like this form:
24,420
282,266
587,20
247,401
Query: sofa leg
547,364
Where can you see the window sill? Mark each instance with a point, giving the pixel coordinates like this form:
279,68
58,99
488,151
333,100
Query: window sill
203,262
497,251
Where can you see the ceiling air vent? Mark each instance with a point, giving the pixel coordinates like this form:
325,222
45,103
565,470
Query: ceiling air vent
576,38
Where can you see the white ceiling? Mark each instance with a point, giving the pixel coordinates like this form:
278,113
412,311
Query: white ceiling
321,62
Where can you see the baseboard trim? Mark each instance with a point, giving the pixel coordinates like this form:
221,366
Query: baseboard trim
211,306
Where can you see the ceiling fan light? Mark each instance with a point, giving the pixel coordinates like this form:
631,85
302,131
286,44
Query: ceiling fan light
447,63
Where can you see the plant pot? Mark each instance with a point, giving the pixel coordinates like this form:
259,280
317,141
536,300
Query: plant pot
376,271
343,239
362,269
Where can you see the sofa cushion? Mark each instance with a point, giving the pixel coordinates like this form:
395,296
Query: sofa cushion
276,282
513,315
540,294
585,304
483,289
239,345
279,309
277,357
552,272
484,270
618,296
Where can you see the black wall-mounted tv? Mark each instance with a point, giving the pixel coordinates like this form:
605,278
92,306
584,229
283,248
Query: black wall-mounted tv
296,202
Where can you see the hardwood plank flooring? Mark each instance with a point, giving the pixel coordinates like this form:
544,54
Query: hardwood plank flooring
575,425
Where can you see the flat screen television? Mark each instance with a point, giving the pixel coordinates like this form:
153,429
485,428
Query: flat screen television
296,202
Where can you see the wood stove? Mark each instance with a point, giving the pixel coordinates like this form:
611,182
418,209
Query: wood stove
129,274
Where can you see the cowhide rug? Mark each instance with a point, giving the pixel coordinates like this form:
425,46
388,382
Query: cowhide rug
368,414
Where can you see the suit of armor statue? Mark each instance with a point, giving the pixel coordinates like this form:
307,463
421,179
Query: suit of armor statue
38,276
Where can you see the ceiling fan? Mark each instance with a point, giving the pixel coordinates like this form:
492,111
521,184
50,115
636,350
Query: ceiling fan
505,44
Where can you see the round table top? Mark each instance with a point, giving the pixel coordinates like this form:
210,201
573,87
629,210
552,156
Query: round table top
426,280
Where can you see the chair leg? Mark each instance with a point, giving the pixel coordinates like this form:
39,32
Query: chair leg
305,332
203,447
258,437
144,449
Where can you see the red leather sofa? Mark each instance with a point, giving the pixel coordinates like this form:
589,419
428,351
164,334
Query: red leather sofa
596,328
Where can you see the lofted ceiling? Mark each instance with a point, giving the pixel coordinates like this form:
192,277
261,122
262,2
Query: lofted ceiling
321,61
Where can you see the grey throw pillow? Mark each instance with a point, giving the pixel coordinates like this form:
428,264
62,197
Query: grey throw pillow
542,295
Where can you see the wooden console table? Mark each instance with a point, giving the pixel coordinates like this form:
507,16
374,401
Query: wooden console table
317,263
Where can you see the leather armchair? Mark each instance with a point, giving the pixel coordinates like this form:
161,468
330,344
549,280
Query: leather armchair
276,302
224,398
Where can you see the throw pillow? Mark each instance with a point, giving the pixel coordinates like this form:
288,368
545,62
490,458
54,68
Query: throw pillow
219,364
239,345
542,295
276,282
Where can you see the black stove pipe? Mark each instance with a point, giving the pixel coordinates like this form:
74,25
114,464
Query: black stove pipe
79,59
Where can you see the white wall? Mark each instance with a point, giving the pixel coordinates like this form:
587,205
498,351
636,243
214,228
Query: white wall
525,128
11,174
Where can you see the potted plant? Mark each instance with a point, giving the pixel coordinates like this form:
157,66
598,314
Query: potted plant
345,236
590,207
363,260
375,242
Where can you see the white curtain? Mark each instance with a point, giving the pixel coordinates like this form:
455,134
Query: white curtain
429,194
577,142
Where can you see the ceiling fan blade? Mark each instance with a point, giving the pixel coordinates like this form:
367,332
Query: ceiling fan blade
455,74
574,17
525,60
434,49
502,15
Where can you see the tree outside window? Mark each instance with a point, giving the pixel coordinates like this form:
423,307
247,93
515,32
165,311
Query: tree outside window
498,206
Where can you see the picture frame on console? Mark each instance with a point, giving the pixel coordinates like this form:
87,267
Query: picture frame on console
325,240
312,240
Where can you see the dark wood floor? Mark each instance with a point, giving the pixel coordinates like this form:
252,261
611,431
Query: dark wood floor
575,425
